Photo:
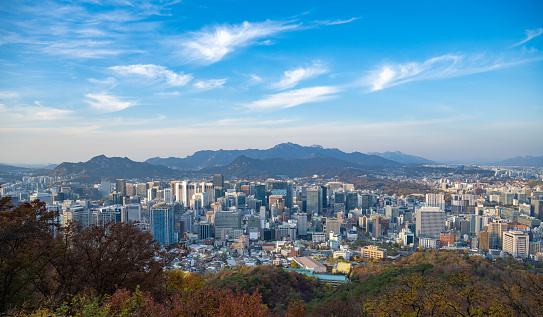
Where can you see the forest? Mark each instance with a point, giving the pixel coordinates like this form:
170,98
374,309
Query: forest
118,270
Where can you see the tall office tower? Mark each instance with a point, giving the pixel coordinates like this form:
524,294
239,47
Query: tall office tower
516,243
185,190
314,200
105,187
162,223
430,221
484,241
203,198
496,230
284,188
173,186
204,230
301,219
536,208
351,201
186,221
141,189
131,190
260,193
365,201
218,180
207,188
168,195
226,220
133,213
120,186
151,193
436,200
339,197
263,213
324,195
332,225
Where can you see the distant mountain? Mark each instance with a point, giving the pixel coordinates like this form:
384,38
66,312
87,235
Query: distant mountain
111,167
248,167
403,158
4,168
203,159
523,161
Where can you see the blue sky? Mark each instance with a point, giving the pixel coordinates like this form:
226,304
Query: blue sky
447,80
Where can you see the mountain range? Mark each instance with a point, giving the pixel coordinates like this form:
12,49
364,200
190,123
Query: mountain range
203,159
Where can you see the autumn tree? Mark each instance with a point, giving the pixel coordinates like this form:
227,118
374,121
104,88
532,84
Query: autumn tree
26,241
103,258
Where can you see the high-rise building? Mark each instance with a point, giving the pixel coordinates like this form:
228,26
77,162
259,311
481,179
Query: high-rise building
365,201
430,221
516,243
105,188
436,200
162,223
495,231
141,189
314,201
120,186
301,219
351,201
218,180
536,208
332,225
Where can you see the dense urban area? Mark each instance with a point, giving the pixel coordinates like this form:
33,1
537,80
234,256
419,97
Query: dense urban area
335,232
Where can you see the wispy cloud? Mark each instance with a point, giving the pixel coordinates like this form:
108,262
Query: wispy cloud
154,72
248,121
445,66
210,84
530,34
8,95
336,22
291,78
294,98
211,44
108,103
30,113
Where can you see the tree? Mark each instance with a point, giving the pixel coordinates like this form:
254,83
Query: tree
104,258
26,241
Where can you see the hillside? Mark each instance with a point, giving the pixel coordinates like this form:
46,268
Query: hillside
403,158
203,159
111,167
521,161
248,167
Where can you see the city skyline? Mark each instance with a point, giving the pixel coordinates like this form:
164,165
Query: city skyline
445,81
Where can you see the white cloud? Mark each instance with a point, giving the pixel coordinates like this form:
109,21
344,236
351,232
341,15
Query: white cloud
210,84
154,72
530,34
445,66
294,98
291,78
210,45
336,22
107,103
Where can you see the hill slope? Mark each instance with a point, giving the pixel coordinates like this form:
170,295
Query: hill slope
111,167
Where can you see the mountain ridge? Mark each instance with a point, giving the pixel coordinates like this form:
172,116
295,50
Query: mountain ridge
209,158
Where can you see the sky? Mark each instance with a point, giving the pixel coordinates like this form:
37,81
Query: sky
446,80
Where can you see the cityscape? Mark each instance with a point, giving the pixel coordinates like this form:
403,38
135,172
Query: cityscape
271,158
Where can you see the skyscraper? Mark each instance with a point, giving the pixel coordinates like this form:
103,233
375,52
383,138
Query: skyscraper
516,243
430,221
314,200
162,223
218,180
120,186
